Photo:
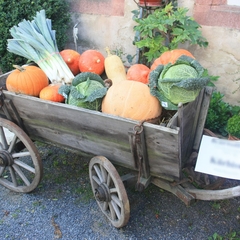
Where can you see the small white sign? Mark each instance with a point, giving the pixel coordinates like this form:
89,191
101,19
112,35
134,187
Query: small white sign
219,157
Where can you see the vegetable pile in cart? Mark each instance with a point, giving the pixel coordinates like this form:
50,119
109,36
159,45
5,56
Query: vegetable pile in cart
173,81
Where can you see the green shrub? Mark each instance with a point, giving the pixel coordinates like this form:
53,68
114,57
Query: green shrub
218,114
14,11
233,126
164,29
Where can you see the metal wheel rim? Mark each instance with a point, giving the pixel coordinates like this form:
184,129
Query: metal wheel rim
19,170
116,206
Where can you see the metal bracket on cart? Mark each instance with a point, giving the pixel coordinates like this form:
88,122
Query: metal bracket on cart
139,153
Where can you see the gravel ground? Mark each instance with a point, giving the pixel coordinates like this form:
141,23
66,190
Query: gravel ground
63,207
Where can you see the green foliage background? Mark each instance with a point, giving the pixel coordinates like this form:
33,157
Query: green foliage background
14,11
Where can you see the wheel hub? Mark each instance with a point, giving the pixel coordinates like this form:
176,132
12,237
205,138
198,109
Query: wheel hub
5,159
102,193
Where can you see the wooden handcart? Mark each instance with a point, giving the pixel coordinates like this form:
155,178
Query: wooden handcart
163,155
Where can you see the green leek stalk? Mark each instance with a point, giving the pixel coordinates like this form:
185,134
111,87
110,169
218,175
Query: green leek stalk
36,41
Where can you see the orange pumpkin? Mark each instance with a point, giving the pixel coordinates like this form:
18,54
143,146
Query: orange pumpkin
51,93
29,80
138,72
91,61
131,99
170,57
71,58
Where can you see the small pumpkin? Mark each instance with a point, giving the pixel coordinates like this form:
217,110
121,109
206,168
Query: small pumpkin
131,99
138,72
29,80
91,61
71,58
51,93
170,57
114,67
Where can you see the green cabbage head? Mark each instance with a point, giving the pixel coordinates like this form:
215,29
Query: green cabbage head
87,91
177,83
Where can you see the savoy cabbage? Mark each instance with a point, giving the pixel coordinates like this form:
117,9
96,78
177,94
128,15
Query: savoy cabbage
177,83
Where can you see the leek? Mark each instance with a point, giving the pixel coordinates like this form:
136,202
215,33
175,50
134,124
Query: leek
36,41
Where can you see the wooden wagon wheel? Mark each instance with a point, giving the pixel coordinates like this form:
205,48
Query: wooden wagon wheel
109,191
202,180
20,169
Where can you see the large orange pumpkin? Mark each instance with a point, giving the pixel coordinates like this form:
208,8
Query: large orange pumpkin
51,93
29,80
138,72
131,99
92,61
170,57
71,58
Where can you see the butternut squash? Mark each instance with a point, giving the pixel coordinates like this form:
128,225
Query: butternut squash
114,67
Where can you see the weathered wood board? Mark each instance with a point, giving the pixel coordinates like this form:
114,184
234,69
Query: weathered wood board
95,132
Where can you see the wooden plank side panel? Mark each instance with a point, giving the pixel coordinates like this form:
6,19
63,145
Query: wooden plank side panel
73,127
187,122
163,152
97,133
202,117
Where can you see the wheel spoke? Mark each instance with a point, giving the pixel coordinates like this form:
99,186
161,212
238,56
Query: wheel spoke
109,180
2,169
3,139
206,179
104,173
116,200
113,190
21,154
13,176
21,174
98,171
116,209
112,211
25,166
13,143
96,179
105,206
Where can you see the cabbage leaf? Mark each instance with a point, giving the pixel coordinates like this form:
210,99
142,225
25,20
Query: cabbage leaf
87,93
177,83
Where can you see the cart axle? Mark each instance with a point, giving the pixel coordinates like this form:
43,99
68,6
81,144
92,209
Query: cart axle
102,193
6,158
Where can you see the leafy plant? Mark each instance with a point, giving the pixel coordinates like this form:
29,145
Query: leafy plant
233,126
218,113
232,235
12,12
164,29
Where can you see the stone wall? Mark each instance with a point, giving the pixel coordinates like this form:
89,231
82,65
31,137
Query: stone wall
107,25
221,27
102,24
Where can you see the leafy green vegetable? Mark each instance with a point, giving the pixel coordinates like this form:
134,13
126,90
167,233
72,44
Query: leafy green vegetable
36,41
177,83
11,12
88,93
83,76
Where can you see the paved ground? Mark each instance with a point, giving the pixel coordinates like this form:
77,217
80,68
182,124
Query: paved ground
63,207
